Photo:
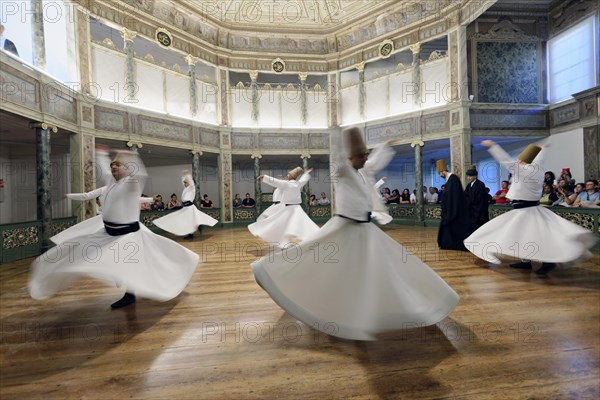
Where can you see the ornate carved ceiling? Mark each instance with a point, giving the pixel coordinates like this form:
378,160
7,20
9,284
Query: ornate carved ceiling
314,36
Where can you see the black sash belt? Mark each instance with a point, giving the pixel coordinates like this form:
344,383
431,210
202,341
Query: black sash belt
121,229
276,202
356,220
297,204
524,203
187,203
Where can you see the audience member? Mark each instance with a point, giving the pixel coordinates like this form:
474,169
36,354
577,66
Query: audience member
312,201
500,196
237,201
405,196
158,205
206,203
248,202
548,196
173,203
590,197
431,197
395,197
324,201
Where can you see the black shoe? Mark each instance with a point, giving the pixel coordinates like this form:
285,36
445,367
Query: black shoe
126,300
545,268
190,236
521,265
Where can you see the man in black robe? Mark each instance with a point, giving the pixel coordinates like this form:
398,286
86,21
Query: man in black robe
455,224
477,200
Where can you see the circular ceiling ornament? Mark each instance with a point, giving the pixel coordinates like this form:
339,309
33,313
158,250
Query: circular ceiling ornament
278,65
163,37
386,48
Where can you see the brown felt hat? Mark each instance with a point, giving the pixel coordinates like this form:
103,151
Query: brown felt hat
296,172
441,166
529,154
355,142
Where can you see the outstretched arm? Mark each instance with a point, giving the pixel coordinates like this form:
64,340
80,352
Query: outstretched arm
86,196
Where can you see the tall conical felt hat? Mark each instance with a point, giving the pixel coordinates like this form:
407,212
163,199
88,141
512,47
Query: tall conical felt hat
355,144
529,154
472,171
441,166
296,172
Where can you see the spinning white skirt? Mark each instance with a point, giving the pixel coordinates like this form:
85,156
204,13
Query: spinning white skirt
533,233
353,281
184,221
86,227
270,211
287,224
147,264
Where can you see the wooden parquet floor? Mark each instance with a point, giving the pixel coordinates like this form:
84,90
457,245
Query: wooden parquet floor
513,335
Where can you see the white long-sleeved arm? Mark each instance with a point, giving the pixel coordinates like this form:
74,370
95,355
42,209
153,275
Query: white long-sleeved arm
279,183
303,180
379,159
87,196
379,184
502,156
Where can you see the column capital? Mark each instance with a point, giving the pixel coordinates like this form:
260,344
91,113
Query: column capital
194,152
305,155
303,76
128,34
415,48
419,143
253,75
256,156
43,125
131,144
360,66
191,60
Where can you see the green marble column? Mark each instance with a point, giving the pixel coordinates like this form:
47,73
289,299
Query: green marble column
196,175
257,186
44,205
420,206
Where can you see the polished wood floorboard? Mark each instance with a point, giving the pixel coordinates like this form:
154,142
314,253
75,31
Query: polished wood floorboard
513,335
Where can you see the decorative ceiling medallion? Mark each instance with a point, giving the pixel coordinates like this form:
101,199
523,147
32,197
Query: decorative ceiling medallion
164,37
385,48
278,65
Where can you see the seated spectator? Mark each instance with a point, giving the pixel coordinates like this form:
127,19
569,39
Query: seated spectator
548,195
237,201
550,178
489,196
173,203
158,203
590,197
566,175
405,196
564,191
395,197
312,201
206,203
145,205
500,196
248,202
386,194
323,201
441,193
431,197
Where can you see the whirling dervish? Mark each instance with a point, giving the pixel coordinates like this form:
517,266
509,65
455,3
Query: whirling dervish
185,221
